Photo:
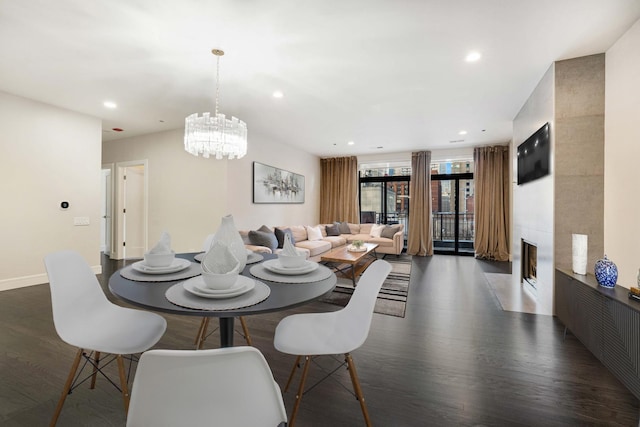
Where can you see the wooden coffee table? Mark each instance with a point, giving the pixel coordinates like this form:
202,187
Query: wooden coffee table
357,261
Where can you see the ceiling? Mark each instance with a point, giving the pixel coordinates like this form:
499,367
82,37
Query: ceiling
388,75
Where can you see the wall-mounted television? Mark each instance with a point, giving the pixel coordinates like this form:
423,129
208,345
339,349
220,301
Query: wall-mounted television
534,156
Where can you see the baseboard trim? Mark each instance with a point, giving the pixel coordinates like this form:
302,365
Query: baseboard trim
36,279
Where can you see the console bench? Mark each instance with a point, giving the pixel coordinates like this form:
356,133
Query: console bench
605,320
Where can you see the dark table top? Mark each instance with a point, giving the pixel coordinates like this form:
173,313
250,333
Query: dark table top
150,295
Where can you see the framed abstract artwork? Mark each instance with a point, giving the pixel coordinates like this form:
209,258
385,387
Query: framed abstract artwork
273,185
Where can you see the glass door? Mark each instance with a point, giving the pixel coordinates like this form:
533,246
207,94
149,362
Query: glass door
385,200
452,213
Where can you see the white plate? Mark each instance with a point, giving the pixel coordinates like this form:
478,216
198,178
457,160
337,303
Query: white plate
275,266
195,285
178,264
254,257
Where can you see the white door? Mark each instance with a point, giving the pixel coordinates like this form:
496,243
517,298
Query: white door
105,213
133,212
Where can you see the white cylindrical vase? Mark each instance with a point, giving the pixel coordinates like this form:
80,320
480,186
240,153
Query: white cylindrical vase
579,251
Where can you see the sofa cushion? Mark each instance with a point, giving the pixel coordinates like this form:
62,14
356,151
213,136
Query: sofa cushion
313,233
343,227
280,233
355,228
335,241
365,229
354,237
315,247
299,232
390,230
332,230
263,238
376,230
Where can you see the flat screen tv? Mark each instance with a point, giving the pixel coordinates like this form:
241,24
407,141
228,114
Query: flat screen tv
533,156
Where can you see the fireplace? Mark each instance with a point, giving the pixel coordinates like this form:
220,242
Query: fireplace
529,263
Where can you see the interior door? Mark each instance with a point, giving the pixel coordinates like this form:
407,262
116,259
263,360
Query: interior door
133,212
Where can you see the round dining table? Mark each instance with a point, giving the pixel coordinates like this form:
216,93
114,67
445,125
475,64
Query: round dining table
151,296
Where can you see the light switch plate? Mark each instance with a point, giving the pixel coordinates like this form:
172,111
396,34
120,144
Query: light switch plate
81,220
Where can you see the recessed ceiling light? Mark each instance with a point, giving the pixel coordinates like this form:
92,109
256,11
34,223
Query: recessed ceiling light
462,132
110,104
473,56
350,143
278,94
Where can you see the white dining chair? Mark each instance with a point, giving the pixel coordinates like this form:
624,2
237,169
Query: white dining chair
85,318
226,387
337,332
203,333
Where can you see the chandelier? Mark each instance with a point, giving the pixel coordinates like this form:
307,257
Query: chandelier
215,135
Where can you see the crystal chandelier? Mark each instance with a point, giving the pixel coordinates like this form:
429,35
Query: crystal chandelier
215,135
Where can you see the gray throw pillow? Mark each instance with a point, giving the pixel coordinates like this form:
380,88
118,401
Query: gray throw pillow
263,238
343,227
389,231
332,230
280,233
265,229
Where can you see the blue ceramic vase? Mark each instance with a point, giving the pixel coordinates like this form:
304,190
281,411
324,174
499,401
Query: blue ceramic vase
606,273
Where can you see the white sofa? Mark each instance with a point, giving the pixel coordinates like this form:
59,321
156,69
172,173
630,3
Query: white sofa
315,248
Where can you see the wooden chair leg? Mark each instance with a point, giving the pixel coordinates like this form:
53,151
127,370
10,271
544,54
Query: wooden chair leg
305,371
203,332
67,387
202,322
357,389
293,371
96,361
123,383
245,330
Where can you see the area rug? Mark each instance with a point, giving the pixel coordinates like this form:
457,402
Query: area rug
392,298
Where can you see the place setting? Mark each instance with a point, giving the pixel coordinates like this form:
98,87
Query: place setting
160,265
220,286
291,266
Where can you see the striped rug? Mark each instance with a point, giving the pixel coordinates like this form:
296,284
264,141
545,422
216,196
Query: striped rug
392,298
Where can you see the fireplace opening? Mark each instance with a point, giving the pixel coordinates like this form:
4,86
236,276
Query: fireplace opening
529,263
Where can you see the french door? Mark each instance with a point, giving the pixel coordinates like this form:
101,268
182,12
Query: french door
452,213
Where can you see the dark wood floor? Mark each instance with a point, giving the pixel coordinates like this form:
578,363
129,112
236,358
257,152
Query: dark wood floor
455,359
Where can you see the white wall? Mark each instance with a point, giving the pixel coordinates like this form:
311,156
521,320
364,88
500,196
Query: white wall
533,201
622,156
248,215
187,194
48,155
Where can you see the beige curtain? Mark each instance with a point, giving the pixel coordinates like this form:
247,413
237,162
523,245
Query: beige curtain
339,190
492,202
420,230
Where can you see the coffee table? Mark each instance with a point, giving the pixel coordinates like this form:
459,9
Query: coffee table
357,261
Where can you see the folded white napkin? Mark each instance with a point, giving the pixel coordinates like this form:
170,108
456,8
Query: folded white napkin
163,246
288,248
219,259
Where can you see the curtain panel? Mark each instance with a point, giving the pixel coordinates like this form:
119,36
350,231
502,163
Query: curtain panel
339,190
492,202
420,240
